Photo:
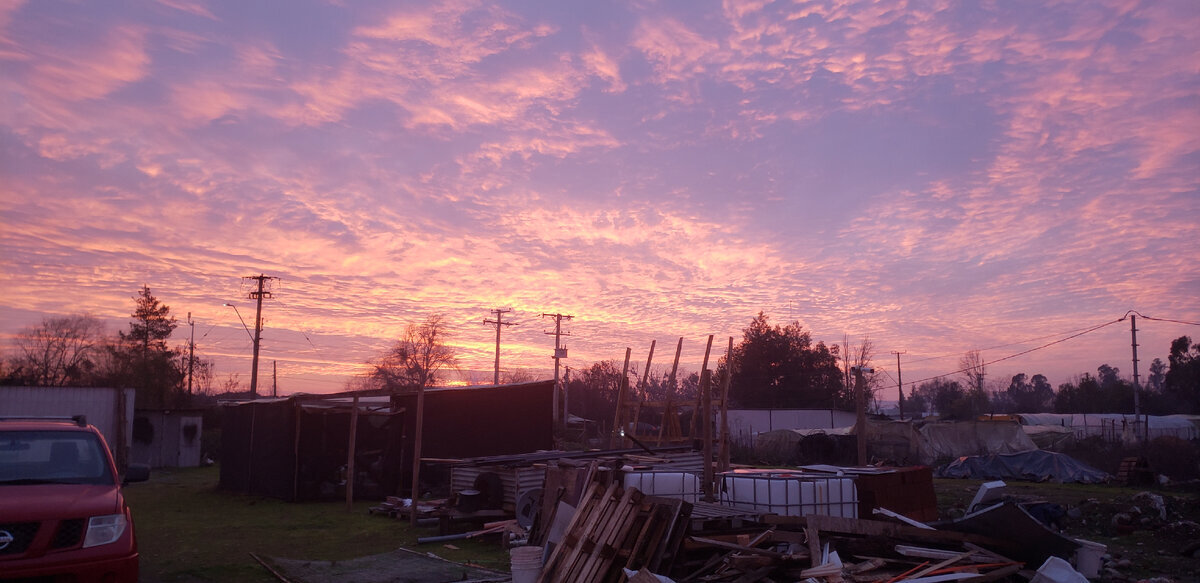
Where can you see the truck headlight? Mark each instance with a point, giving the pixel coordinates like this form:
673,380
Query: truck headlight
102,530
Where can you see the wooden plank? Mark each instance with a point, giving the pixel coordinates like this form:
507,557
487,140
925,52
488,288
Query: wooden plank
736,547
814,544
998,574
861,527
945,563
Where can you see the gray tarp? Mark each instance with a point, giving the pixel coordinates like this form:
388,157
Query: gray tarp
1034,466
940,441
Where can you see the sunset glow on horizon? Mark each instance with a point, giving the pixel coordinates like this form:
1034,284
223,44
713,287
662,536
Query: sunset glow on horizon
935,176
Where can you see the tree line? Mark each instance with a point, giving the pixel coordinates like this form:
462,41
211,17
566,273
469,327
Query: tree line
78,351
770,367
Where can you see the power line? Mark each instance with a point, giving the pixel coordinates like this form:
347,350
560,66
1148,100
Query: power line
1024,352
998,346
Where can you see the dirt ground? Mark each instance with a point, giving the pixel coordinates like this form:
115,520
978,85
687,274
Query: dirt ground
1151,534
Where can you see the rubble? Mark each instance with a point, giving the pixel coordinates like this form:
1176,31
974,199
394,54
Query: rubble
637,516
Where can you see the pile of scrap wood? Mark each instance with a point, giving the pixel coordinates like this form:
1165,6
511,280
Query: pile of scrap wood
613,529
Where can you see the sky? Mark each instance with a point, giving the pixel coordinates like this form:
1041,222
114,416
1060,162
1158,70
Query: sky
933,176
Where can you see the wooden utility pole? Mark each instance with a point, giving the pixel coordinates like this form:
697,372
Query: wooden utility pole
274,378
257,296
899,384
499,322
560,352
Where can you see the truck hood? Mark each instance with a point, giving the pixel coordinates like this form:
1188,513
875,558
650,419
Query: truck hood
58,501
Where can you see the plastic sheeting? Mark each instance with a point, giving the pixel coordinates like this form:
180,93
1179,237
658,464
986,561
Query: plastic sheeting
1050,437
940,441
1030,466
1116,425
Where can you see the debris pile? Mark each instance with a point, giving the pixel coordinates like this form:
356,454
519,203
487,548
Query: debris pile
626,516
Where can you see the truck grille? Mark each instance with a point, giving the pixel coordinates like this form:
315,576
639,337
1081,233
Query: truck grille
22,534
69,534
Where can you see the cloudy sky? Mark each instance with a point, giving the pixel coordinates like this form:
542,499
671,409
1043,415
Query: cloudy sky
935,176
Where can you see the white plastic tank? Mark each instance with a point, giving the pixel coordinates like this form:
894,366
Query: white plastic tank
681,485
790,493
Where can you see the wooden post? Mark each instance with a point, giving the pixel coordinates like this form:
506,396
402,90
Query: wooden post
706,419
724,463
122,422
646,373
700,397
617,419
670,408
298,410
416,467
350,455
860,422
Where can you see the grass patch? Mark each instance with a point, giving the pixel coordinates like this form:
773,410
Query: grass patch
188,531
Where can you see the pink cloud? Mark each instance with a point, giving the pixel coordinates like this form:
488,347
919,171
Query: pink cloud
92,72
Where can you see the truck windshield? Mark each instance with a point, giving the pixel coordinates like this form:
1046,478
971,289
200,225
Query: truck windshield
52,457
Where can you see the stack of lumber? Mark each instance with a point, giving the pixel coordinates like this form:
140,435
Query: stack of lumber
617,528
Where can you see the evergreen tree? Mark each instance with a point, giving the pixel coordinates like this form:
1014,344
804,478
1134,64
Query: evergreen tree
141,358
781,368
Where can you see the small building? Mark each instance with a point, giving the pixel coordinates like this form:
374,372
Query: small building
299,447
167,438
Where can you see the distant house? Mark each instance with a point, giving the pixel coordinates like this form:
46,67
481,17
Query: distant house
297,448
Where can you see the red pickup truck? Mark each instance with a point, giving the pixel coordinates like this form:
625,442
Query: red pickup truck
62,514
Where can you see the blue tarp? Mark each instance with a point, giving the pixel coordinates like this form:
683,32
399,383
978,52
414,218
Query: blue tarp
1032,466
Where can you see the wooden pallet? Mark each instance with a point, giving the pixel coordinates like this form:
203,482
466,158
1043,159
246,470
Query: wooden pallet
614,528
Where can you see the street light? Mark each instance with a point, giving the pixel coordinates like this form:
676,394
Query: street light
239,315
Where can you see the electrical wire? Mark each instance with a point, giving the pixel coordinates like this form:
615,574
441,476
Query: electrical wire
1024,352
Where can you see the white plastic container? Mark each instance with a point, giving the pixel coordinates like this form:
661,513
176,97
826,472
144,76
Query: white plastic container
790,493
1056,570
1087,558
681,485
526,564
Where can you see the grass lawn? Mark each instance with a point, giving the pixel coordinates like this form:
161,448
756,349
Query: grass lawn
189,531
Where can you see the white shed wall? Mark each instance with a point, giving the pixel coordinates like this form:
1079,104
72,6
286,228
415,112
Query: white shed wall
100,405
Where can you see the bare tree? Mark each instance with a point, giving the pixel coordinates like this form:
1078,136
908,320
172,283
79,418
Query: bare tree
973,369
60,351
417,359
860,356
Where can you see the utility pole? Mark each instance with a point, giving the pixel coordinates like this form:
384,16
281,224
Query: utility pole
499,321
191,351
899,383
258,297
1137,410
560,352
274,378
